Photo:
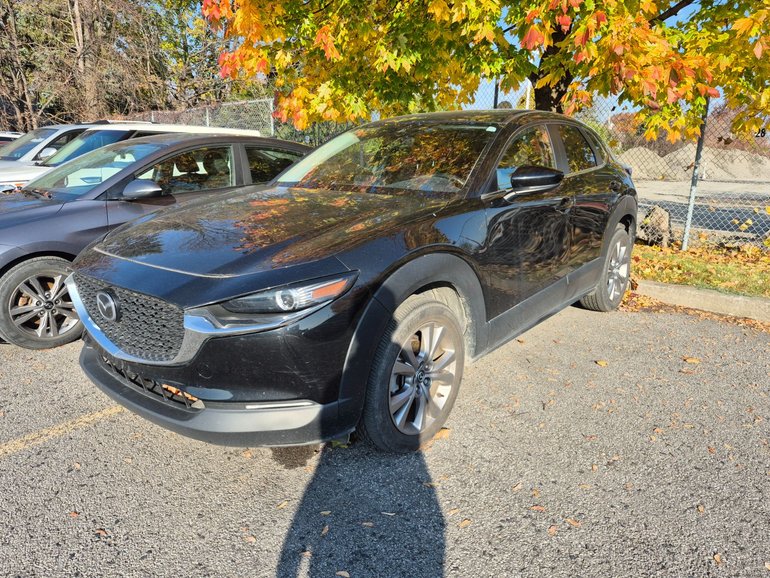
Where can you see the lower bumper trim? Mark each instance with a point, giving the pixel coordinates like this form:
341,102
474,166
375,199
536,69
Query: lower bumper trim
294,422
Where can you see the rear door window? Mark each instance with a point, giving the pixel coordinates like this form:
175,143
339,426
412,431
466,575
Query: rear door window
265,164
580,155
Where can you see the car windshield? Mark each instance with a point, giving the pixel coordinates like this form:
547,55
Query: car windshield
14,150
86,142
81,175
428,158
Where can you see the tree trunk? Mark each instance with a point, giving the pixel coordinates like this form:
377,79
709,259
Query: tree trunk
550,97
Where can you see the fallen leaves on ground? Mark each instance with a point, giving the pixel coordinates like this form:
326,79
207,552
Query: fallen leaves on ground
537,508
718,558
635,303
744,270
325,530
693,360
282,505
601,363
573,522
342,573
552,529
441,434
465,523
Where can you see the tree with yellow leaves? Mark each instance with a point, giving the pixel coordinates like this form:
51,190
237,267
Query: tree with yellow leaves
343,59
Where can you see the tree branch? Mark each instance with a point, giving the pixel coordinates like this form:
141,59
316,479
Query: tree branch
673,11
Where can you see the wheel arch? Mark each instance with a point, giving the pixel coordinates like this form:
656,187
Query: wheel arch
424,273
624,213
27,256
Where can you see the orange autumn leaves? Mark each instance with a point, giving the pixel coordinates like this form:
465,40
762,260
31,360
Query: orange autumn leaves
343,60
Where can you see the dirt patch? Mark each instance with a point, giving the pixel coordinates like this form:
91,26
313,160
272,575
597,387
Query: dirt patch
716,164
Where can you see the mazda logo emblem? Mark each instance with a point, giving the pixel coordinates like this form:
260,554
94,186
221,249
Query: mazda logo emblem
107,305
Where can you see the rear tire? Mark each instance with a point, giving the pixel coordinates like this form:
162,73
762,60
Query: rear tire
616,274
416,373
35,308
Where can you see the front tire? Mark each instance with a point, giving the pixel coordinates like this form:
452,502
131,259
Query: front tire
36,311
616,274
416,373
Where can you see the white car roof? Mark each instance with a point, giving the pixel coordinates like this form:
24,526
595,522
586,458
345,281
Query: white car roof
165,128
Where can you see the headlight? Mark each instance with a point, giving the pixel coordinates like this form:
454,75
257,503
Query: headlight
268,309
291,298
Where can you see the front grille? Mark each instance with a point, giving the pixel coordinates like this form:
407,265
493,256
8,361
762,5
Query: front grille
169,393
147,328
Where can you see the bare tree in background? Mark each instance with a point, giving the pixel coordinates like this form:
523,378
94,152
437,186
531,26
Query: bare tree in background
81,60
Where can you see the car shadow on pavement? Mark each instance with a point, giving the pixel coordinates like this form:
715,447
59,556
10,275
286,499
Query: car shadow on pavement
367,514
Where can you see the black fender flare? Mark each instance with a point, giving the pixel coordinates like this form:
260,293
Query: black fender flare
436,268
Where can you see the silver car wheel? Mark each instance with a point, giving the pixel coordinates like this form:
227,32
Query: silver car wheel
40,306
422,378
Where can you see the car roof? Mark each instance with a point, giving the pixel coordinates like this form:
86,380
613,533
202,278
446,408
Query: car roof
67,126
176,138
172,128
499,116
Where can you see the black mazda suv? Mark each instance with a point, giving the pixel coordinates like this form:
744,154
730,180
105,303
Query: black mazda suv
350,292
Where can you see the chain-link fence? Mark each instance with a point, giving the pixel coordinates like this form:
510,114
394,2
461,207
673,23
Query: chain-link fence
248,114
732,201
729,201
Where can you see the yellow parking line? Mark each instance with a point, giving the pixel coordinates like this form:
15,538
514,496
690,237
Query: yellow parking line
43,435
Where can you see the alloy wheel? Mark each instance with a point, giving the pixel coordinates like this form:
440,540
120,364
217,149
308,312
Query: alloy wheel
422,378
41,307
618,269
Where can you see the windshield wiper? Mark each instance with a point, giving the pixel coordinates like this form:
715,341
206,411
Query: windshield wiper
36,193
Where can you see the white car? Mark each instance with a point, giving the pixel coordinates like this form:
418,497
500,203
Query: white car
38,144
96,136
7,136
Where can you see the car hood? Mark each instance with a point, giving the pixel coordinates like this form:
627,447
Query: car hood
13,164
21,173
261,229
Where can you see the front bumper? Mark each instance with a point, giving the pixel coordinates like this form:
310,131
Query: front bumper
293,422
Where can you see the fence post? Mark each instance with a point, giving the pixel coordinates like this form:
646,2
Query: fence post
695,177
208,117
497,89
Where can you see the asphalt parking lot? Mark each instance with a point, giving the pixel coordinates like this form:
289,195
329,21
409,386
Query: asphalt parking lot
626,444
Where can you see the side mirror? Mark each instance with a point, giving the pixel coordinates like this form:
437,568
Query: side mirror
534,179
142,189
46,153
